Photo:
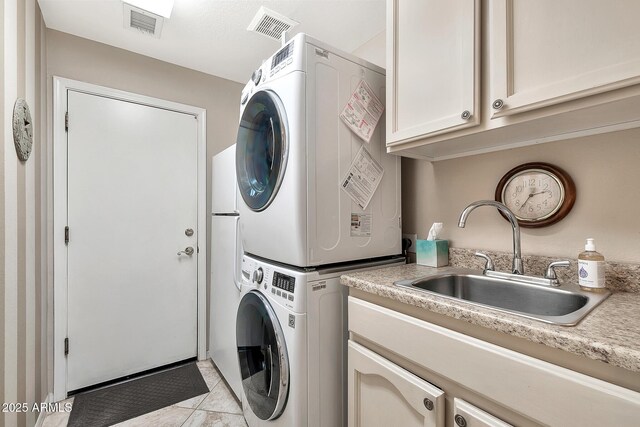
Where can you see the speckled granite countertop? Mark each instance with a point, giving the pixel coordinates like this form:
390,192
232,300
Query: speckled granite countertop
610,333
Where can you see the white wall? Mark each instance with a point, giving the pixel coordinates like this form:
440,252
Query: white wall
88,61
23,356
607,177
374,50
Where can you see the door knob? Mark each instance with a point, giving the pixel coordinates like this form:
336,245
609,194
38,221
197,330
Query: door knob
187,251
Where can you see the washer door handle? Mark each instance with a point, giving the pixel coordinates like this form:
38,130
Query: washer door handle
270,358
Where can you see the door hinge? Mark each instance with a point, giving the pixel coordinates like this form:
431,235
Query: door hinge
66,121
66,235
66,346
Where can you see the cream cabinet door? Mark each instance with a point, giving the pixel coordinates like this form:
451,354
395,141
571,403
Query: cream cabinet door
465,414
433,67
382,394
546,52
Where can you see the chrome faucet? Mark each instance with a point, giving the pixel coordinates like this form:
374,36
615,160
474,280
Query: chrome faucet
517,267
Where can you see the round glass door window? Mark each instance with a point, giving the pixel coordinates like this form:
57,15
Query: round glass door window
262,354
261,150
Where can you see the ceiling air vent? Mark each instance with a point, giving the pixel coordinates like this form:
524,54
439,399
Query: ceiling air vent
143,21
270,23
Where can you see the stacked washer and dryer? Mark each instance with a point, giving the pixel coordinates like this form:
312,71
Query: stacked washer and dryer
300,231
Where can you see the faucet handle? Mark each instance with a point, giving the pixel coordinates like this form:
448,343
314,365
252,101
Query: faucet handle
488,266
550,273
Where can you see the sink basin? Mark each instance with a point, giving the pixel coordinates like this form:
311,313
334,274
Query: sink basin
544,303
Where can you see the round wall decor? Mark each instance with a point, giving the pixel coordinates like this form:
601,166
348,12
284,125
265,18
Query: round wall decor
539,194
22,129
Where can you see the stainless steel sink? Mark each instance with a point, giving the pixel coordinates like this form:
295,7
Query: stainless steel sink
547,304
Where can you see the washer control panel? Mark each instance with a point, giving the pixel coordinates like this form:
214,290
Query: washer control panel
258,275
277,284
283,286
284,282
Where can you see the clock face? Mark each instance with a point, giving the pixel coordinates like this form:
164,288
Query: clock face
533,194
22,129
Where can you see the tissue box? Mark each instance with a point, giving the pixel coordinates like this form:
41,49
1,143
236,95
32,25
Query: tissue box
432,253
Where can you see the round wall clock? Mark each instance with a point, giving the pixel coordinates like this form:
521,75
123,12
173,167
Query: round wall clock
22,129
539,194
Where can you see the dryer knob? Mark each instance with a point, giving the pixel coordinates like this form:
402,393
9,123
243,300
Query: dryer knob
256,76
258,275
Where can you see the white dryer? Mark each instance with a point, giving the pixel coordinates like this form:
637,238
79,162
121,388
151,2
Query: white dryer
293,152
291,334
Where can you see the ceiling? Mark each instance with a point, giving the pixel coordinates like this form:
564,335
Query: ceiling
211,35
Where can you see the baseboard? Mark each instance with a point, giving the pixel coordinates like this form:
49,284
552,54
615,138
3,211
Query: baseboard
42,415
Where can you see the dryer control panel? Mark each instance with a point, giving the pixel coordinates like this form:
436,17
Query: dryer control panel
282,58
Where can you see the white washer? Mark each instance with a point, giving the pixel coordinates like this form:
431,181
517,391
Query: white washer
293,152
291,336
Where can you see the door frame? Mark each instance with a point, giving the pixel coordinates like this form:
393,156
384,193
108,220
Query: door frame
58,192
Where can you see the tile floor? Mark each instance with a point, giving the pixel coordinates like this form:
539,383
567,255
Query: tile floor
217,408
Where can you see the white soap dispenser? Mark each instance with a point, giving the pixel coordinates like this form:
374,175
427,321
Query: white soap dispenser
591,268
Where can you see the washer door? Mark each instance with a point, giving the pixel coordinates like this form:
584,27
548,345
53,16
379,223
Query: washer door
261,149
262,354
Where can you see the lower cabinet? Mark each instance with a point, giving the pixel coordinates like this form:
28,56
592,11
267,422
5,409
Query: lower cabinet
383,394
405,371
467,415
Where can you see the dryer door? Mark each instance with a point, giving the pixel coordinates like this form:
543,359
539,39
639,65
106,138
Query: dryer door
261,149
262,354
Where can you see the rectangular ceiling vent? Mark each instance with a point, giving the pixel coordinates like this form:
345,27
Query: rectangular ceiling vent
142,21
270,23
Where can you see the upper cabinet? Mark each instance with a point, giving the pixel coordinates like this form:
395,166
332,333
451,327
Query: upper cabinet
545,52
470,76
433,85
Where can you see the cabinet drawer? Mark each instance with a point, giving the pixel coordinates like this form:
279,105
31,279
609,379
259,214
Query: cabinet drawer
473,416
543,392
383,394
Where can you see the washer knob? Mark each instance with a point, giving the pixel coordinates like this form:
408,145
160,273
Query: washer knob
258,275
256,76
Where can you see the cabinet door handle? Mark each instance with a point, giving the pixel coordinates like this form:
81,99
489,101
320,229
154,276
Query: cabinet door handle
460,421
428,404
466,115
497,104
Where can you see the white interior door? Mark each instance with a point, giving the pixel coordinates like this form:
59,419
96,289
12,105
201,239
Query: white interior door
132,193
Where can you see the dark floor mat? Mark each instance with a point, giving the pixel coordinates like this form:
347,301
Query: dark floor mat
120,402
